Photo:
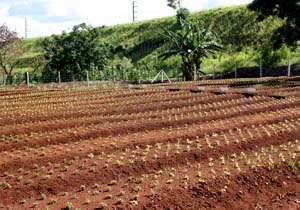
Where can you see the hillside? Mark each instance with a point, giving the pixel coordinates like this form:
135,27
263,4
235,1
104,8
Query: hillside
139,44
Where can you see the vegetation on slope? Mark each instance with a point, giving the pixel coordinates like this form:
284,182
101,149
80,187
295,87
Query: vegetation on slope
138,45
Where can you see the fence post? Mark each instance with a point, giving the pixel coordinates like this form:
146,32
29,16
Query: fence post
195,73
289,67
27,80
87,78
235,72
114,76
214,71
59,79
139,76
261,69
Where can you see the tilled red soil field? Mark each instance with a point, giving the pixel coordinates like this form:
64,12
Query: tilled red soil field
178,147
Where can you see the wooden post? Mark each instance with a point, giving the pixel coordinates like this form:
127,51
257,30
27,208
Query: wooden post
114,76
59,79
261,69
195,73
289,67
27,80
139,76
235,72
87,78
214,71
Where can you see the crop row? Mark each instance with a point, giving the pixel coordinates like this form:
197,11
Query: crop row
143,137
185,174
101,109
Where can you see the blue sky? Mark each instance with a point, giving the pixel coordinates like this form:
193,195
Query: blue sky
46,17
37,10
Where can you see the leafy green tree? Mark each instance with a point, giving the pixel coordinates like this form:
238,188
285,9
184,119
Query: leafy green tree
289,11
270,56
192,43
267,54
11,50
181,13
122,65
175,4
74,53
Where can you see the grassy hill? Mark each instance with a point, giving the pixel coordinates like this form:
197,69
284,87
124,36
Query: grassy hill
139,44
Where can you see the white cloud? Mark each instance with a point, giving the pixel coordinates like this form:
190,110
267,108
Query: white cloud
36,28
94,12
231,2
60,8
12,22
103,13
4,10
194,5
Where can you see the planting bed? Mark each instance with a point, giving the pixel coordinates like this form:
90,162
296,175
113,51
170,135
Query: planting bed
151,148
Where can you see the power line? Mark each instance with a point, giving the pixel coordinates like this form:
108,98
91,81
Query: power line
134,11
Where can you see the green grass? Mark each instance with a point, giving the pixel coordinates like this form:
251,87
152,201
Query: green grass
141,42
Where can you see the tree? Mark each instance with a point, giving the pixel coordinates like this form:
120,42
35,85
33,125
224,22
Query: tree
74,53
175,4
289,11
181,13
191,43
11,49
122,65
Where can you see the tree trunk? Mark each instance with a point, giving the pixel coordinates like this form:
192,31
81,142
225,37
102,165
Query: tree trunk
187,70
4,74
197,64
9,79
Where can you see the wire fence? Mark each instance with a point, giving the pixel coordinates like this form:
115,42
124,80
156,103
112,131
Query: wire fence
108,76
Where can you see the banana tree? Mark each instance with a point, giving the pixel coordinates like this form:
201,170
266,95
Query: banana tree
192,43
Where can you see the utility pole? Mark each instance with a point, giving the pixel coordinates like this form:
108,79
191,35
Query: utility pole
134,12
26,28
